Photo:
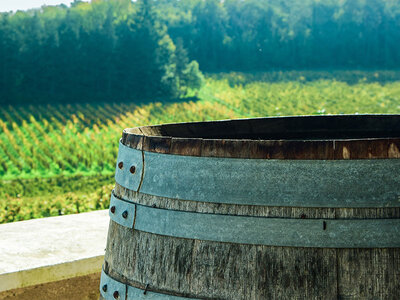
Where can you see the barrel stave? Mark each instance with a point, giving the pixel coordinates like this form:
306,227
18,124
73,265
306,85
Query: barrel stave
184,267
369,273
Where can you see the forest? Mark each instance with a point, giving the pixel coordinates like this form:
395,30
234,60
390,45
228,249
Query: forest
118,50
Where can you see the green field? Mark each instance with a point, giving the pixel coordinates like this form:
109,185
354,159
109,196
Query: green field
59,159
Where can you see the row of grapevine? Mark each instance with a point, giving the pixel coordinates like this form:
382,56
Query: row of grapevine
48,140
259,99
80,139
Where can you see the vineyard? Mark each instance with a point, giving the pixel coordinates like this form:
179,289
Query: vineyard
80,141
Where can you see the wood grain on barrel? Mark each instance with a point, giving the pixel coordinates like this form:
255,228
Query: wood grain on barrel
369,273
267,149
210,270
316,137
184,267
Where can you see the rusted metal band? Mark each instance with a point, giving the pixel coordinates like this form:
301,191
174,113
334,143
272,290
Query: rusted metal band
269,182
316,233
112,289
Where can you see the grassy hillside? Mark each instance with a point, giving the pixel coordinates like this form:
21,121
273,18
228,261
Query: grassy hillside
47,150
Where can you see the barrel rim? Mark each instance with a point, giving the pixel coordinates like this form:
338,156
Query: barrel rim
380,139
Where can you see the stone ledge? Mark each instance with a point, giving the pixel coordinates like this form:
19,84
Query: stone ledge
52,249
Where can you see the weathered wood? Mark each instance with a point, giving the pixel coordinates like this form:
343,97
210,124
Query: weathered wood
210,270
221,270
327,137
368,273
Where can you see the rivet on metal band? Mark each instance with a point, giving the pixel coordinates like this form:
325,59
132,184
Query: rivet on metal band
292,232
129,167
122,212
111,289
124,291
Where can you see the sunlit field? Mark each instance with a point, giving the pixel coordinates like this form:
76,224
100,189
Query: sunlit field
59,159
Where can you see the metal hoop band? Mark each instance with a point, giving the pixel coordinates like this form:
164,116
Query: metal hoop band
316,233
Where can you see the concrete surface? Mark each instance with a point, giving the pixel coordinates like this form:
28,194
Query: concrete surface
51,249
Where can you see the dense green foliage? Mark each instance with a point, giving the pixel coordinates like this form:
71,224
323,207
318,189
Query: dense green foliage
25,208
100,51
119,50
250,35
55,185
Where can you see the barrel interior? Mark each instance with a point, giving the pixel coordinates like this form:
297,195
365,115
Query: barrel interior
333,127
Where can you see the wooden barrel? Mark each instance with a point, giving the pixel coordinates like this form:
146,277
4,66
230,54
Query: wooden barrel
271,208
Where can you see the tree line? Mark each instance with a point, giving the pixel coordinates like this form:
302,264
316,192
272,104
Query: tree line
121,50
100,51
249,35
